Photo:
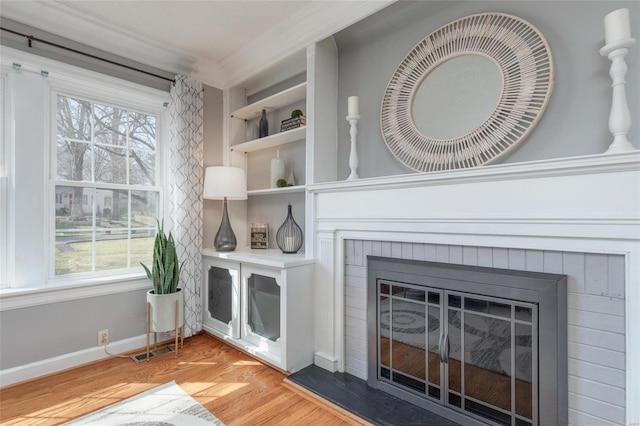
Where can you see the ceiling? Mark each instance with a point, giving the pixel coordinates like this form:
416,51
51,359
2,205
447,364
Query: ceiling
216,42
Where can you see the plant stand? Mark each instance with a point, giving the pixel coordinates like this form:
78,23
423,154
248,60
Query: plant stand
179,329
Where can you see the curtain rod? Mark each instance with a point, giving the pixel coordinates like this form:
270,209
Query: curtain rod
31,39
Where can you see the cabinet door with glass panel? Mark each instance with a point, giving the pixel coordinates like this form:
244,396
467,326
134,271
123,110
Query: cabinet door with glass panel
221,297
261,308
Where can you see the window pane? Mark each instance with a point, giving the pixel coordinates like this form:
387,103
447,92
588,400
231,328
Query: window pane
142,249
144,209
142,167
74,251
112,250
104,206
110,164
74,160
110,125
71,211
74,118
116,216
142,141
74,229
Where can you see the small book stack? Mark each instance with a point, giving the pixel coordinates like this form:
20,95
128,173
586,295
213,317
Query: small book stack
260,236
293,123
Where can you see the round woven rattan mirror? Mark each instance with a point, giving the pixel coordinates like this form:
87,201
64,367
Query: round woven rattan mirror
523,60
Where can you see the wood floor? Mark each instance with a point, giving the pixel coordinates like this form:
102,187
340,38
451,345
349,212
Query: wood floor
236,388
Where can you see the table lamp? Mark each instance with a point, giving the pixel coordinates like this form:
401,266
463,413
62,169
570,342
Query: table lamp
225,183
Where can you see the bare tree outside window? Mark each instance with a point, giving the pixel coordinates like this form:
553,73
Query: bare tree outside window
106,198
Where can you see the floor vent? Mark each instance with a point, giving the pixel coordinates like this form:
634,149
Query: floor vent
152,353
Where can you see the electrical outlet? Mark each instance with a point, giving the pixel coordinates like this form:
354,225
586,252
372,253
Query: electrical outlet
103,337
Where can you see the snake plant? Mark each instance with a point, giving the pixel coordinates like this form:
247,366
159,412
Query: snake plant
165,271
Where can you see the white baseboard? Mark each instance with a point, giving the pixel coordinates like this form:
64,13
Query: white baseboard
63,362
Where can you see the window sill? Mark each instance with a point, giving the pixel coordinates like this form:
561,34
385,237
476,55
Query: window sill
63,291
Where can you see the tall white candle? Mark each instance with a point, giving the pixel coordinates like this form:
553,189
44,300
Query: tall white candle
616,26
353,105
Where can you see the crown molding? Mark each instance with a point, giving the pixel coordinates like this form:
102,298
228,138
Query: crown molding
312,24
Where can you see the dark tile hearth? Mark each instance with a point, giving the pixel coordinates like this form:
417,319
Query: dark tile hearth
353,394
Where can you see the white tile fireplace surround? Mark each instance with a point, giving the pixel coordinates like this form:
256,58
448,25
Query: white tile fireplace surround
577,216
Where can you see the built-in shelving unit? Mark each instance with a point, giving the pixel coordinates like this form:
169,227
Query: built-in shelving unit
273,285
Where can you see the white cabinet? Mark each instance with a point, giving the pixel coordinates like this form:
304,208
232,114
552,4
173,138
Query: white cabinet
270,309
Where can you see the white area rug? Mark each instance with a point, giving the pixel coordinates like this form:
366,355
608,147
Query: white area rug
165,405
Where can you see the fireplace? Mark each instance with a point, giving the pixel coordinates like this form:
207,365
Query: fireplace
576,216
476,345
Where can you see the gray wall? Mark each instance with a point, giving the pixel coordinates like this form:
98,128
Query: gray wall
576,119
36,333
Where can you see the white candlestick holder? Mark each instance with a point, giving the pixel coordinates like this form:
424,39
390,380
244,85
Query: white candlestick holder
353,157
619,117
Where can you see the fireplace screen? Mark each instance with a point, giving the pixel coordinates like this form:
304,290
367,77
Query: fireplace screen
487,370
467,342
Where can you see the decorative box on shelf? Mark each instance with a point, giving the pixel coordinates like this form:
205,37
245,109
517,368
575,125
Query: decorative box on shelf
293,123
259,235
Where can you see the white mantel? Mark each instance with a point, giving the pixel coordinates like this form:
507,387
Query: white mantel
587,204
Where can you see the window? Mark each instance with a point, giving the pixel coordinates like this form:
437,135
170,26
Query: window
97,136
106,179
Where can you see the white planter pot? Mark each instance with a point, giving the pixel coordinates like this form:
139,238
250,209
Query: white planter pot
162,315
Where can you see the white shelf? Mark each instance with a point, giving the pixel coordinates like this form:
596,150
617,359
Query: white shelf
271,141
271,257
277,101
269,191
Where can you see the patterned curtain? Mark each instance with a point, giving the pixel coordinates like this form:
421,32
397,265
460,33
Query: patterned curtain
185,192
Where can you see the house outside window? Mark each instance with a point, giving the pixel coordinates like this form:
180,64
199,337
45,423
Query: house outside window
104,155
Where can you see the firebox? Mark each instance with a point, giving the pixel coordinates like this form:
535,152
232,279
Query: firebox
473,344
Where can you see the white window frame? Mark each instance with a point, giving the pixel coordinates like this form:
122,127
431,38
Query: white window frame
4,178
101,88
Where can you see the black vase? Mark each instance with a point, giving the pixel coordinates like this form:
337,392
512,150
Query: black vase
263,128
289,236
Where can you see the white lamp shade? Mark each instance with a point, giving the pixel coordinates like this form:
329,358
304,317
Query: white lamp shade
221,182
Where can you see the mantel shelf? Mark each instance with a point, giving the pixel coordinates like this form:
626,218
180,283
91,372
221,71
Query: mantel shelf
277,101
271,141
555,167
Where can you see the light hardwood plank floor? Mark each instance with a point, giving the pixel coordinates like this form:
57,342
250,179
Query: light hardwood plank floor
235,387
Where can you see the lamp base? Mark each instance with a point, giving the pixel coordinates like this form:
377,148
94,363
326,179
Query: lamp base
225,238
